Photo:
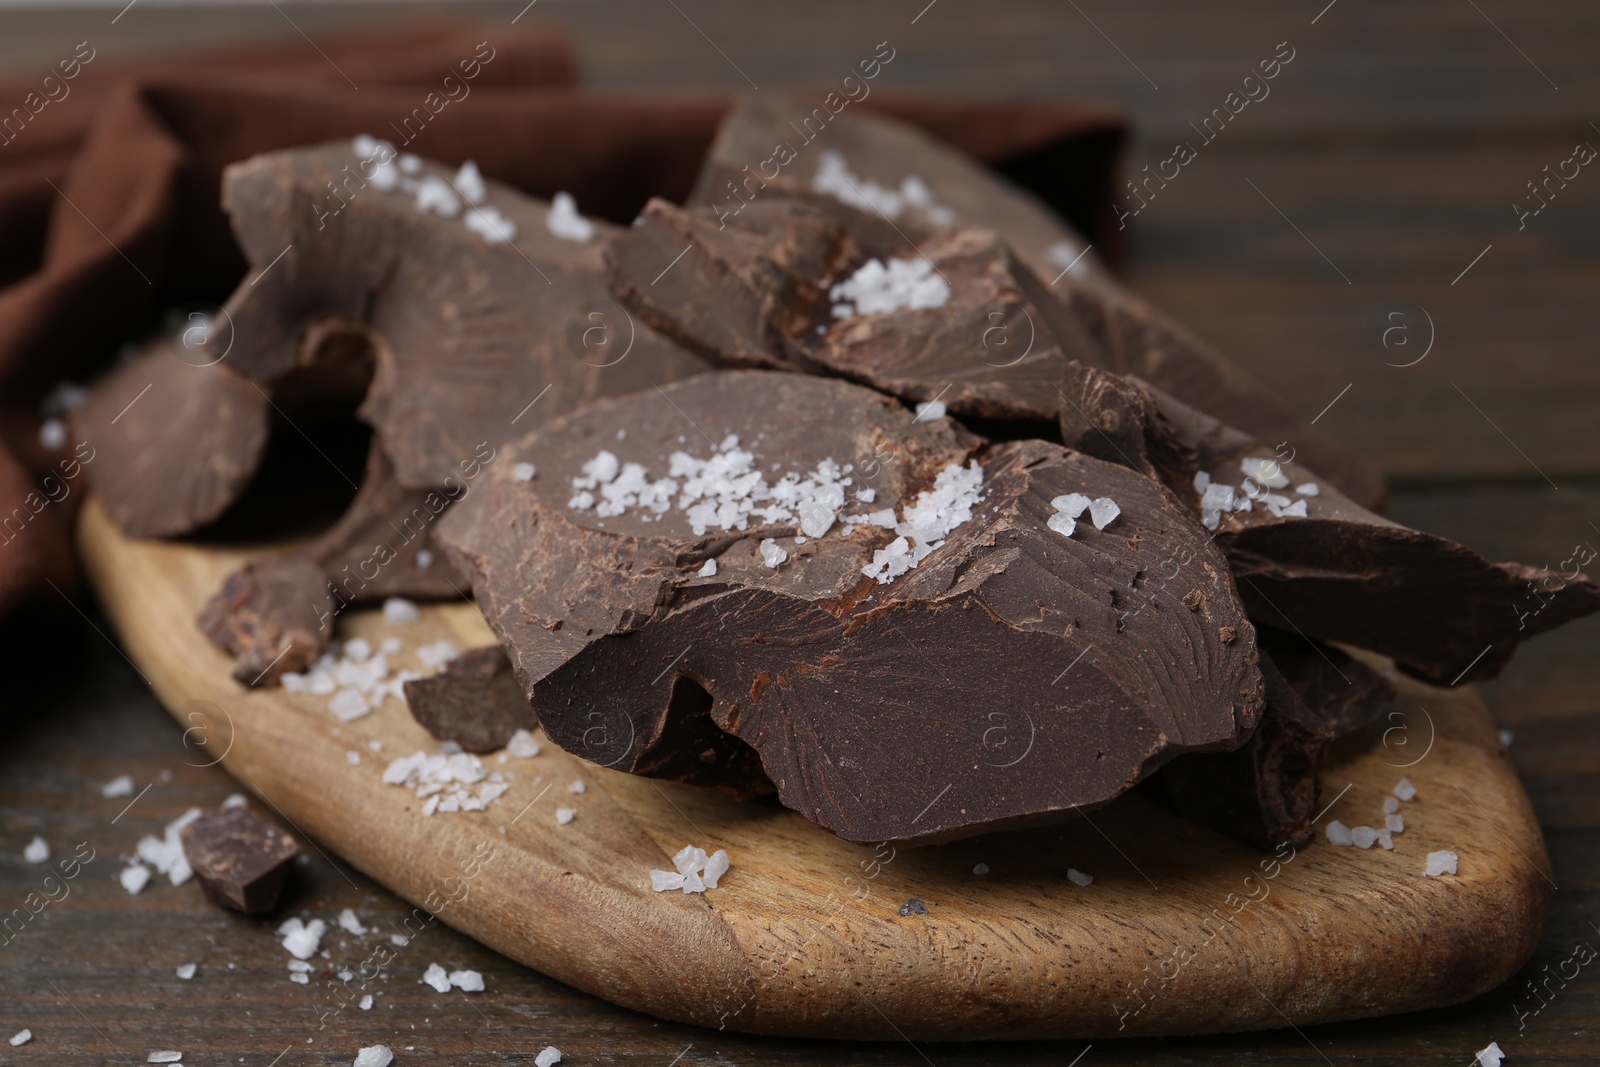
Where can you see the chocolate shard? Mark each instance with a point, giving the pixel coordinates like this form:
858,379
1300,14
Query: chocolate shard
175,442
912,185
475,701
241,859
382,546
476,310
761,293
1314,561
1266,792
982,638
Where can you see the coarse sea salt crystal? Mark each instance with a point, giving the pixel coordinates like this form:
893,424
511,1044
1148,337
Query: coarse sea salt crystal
53,434
1071,504
1395,824
1202,481
662,881
690,860
1104,512
437,654
374,1056
708,569
1308,489
930,410
469,180
299,966
434,194
1405,790
1363,836
236,800
1386,839
550,1056
120,786
1391,805
366,1003
36,851
564,221
1339,834
186,971
357,649
522,745
901,284
164,1056
302,938
1441,862
1265,472
467,981
424,559
350,923
390,646
493,225
134,877
437,977
717,865
565,815
523,472
398,611
348,705
981,869
21,1037
577,786
1490,1056
772,553
1062,524
1077,877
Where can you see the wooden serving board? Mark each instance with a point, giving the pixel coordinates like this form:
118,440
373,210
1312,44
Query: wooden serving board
1182,931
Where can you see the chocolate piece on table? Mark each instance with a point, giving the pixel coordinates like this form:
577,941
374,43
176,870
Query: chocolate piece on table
475,701
924,186
988,342
175,443
995,681
1267,791
241,859
1315,561
273,615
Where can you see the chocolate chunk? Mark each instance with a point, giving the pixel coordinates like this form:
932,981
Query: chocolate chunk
1317,562
271,616
475,701
175,443
1002,680
1266,792
241,859
470,329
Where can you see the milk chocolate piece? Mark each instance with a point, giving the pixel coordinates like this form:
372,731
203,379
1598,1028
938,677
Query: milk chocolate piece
175,443
1266,792
1340,573
998,683
475,701
763,150
241,859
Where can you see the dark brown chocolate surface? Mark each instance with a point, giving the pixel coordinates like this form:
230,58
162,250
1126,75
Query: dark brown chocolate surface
475,701
273,615
1005,680
1342,573
240,858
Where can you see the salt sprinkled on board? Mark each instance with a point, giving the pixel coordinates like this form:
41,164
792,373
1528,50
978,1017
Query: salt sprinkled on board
661,881
348,705
709,569
1491,1056
435,655
548,1058
120,786
1339,834
522,745
350,923
398,611
374,1056
302,938
696,872
1391,805
1364,836
565,815
134,877
36,851
467,981
366,1003
443,781
186,971
437,977
876,288
1395,824
1077,877
564,221
1441,862
1405,790
524,472
21,1037
167,1056
717,865
577,786
299,967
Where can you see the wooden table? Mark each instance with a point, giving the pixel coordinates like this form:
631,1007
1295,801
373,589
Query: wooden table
1372,191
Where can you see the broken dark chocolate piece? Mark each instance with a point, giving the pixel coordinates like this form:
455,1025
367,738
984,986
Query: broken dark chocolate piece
475,701
1266,792
273,615
869,669
241,859
175,443
1309,559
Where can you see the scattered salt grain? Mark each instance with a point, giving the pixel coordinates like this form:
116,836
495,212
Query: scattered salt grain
1405,790
424,559
1441,862
53,434
717,865
1077,877
134,877
120,786
522,745
399,940
1264,472
564,221
1069,257
236,800
1386,839
1308,489
1339,834
358,649
374,1056
981,869
524,472
36,851
1391,805
1364,836
1103,511
833,177
690,860
1491,1056
352,757
577,786
168,1056
21,1037
437,977
909,284
391,646
1202,481
434,194
366,1003
1506,737
302,938
469,180
930,410
444,780
548,1058
348,705
467,981
1395,824
1062,524
350,923
398,611
565,815
772,553
435,655
927,522
492,224
661,881
709,569
186,971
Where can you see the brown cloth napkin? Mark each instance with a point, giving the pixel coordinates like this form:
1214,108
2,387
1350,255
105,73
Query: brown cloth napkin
109,198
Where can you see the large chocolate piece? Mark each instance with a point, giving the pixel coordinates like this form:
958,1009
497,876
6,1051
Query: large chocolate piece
475,701
1320,564
175,442
1266,792
914,186
1000,682
240,858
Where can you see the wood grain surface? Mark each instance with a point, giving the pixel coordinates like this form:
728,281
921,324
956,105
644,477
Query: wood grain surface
1396,143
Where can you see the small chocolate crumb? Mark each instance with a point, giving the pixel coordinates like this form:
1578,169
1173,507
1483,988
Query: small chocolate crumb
911,907
1193,599
475,701
240,858
1228,633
